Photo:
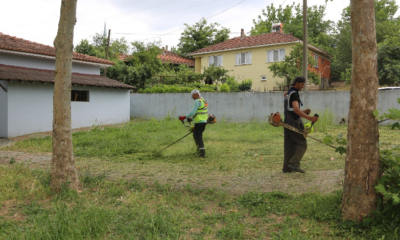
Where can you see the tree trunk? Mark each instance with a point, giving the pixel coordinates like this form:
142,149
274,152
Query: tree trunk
362,160
63,170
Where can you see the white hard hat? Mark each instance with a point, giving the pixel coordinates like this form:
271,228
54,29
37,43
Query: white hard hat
194,91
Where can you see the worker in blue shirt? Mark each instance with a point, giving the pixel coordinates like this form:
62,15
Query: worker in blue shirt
199,114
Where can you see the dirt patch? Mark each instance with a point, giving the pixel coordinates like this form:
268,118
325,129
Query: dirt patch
324,181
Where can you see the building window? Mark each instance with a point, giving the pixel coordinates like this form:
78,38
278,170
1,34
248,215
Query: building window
263,78
79,96
243,58
216,60
275,55
316,61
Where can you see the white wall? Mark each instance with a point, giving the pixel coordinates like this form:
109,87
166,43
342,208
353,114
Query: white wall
105,106
242,107
3,110
42,63
31,108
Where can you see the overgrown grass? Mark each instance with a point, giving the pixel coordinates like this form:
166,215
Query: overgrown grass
131,209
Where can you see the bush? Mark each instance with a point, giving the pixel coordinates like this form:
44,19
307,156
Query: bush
245,85
232,83
224,88
179,88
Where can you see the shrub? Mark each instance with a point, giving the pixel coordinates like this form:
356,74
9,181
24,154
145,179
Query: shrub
232,83
224,88
161,88
245,85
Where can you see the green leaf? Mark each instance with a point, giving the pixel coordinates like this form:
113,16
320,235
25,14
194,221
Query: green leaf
380,189
396,199
376,113
341,150
398,100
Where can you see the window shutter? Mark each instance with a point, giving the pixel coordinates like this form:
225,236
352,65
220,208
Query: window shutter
243,58
220,59
248,57
216,61
276,55
281,54
237,58
270,55
210,61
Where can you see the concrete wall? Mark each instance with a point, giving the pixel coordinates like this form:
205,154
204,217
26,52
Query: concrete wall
3,110
242,107
255,70
30,108
42,63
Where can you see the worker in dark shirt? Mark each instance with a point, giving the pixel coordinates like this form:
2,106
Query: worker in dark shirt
295,144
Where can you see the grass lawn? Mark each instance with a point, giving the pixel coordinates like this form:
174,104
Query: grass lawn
132,192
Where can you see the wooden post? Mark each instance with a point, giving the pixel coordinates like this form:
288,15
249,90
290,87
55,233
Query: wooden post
108,45
305,45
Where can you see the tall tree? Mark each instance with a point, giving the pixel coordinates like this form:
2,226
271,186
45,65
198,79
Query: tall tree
201,35
386,26
291,16
63,170
362,160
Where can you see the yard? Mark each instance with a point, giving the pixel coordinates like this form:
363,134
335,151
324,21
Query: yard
131,191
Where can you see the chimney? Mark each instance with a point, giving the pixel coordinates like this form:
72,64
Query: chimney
166,47
242,34
277,27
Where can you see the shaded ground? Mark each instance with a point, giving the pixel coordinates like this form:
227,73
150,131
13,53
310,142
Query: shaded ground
180,176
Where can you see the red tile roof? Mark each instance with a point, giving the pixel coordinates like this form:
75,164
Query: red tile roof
167,57
21,45
252,41
171,57
12,73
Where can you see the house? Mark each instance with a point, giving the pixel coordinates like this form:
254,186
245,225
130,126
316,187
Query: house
247,57
27,85
167,57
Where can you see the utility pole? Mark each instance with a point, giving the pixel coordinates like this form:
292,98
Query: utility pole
305,45
108,45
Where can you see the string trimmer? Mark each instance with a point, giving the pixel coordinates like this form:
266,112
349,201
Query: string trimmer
210,120
276,121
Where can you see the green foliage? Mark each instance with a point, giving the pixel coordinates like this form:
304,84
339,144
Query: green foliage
291,67
175,88
214,74
181,74
97,47
387,26
140,68
292,18
245,85
224,88
233,84
389,61
201,35
389,183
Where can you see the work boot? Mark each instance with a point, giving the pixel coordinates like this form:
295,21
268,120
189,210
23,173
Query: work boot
287,170
296,168
202,152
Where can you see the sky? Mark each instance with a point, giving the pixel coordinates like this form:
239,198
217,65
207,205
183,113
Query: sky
143,20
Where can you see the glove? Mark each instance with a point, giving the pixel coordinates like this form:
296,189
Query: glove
181,118
190,119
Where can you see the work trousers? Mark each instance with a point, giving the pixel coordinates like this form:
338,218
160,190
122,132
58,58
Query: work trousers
295,146
198,138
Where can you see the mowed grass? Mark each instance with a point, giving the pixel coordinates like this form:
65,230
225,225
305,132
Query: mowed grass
131,209
235,146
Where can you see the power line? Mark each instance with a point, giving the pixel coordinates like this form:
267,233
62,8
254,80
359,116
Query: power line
155,6
161,35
